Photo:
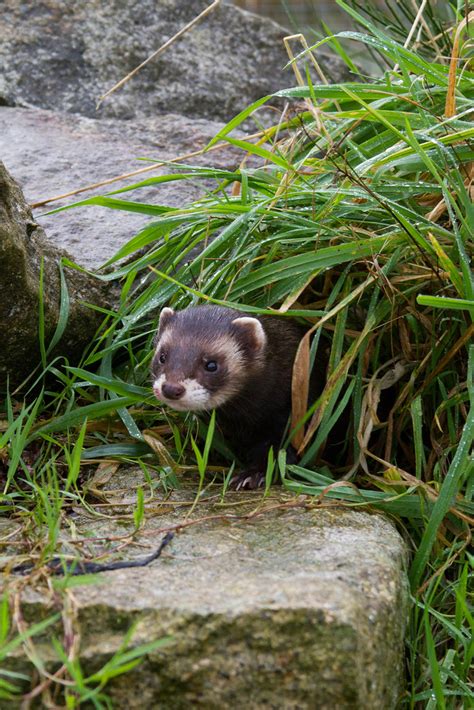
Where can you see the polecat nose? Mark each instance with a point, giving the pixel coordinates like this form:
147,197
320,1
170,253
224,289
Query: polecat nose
172,391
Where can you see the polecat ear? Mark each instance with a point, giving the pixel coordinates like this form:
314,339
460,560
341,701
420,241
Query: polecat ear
165,317
250,333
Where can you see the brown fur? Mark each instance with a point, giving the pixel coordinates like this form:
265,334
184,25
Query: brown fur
255,382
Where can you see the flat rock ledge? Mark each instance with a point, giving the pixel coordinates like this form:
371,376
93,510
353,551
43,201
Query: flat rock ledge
293,608
51,153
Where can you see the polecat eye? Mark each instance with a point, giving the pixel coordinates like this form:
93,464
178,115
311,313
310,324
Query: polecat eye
162,358
210,366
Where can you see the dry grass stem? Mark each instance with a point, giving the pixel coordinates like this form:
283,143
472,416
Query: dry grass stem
159,51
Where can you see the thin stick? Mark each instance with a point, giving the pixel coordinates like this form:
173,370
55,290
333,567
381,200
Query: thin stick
79,567
450,107
417,19
159,51
153,166
124,176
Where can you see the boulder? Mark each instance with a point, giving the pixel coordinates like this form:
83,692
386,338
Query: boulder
25,254
64,56
302,607
51,153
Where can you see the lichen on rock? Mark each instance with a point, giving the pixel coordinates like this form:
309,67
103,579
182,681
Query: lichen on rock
30,280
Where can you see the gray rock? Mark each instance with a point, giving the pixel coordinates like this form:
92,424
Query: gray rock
52,153
23,252
64,56
297,608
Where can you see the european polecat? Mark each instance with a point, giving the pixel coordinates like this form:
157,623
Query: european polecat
210,357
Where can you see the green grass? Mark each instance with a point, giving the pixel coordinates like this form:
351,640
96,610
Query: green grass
359,222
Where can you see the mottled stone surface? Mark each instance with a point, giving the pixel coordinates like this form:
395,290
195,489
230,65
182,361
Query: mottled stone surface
51,153
24,251
63,56
295,608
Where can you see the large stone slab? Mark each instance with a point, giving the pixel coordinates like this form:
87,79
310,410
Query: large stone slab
291,608
63,56
51,153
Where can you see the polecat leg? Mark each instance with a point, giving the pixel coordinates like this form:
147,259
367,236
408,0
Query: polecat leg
247,480
253,476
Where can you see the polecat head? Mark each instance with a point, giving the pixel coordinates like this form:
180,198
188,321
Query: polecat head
204,355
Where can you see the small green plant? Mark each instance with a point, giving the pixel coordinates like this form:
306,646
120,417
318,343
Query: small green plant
11,682
139,511
203,458
89,690
78,690
269,473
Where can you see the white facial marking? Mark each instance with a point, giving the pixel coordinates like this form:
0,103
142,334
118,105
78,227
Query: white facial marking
195,398
164,342
229,350
222,395
157,386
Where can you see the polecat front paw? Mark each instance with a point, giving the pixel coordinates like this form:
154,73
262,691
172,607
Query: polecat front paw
247,480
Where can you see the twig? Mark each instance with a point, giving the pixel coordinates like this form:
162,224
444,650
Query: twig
79,567
450,107
153,166
159,51
417,19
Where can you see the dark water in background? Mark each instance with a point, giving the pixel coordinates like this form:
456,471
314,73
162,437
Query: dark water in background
300,15
307,16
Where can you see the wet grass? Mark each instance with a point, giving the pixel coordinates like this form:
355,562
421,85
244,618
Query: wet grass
359,222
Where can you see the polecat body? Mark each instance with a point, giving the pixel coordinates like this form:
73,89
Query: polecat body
210,357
